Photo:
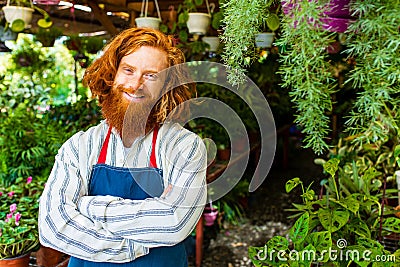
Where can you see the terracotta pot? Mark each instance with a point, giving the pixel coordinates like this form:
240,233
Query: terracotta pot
48,257
21,261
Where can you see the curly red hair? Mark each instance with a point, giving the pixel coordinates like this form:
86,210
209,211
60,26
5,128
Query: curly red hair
99,77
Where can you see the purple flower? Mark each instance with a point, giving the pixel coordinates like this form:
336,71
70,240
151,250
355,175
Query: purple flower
1,193
29,180
13,208
10,194
17,218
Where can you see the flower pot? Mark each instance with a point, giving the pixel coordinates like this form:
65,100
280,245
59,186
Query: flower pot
12,13
210,215
264,39
212,41
148,22
21,261
198,23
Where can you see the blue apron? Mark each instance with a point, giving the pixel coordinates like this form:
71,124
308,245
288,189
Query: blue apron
135,184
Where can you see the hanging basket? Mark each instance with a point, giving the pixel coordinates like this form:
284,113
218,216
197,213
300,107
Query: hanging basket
12,13
264,39
198,23
148,22
212,41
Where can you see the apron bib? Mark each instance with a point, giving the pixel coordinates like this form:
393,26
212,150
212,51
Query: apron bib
135,184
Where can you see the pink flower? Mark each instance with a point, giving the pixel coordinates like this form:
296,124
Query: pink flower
1,193
29,180
9,216
10,194
13,208
17,218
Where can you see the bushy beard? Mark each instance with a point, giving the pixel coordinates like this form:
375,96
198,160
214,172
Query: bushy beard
128,118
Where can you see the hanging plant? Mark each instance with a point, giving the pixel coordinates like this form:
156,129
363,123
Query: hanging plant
375,43
306,71
242,20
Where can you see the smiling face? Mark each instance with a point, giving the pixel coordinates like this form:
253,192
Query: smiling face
137,74
137,87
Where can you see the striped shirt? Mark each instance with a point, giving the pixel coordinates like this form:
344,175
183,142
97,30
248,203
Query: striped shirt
112,229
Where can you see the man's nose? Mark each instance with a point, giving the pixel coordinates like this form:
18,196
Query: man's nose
135,83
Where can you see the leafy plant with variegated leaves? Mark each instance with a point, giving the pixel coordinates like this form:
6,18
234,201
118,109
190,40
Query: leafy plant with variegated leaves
335,220
18,217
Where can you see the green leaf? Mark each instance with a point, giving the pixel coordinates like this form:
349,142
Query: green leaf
300,229
331,166
333,220
292,183
396,154
320,240
392,224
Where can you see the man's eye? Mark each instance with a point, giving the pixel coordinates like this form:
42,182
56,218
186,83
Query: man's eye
128,70
151,76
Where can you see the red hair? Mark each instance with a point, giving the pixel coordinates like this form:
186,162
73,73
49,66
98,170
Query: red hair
99,77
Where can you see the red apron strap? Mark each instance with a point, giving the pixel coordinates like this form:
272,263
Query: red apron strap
153,162
103,152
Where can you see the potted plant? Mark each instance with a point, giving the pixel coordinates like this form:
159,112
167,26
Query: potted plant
242,20
48,36
196,22
345,220
265,39
18,220
18,13
148,22
93,44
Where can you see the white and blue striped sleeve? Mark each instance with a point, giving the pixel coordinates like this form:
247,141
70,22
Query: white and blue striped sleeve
167,220
64,228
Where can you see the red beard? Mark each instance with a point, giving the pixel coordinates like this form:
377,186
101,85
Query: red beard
128,118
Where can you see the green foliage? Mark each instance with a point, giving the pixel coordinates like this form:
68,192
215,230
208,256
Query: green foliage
359,159
242,20
306,71
49,80
28,144
375,43
29,141
19,217
345,219
48,36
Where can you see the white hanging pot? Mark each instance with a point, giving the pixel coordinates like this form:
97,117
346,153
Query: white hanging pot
212,41
198,23
264,39
12,13
148,22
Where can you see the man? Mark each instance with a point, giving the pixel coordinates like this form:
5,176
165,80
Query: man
128,191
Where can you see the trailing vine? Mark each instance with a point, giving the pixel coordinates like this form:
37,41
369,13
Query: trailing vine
306,71
242,20
375,45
